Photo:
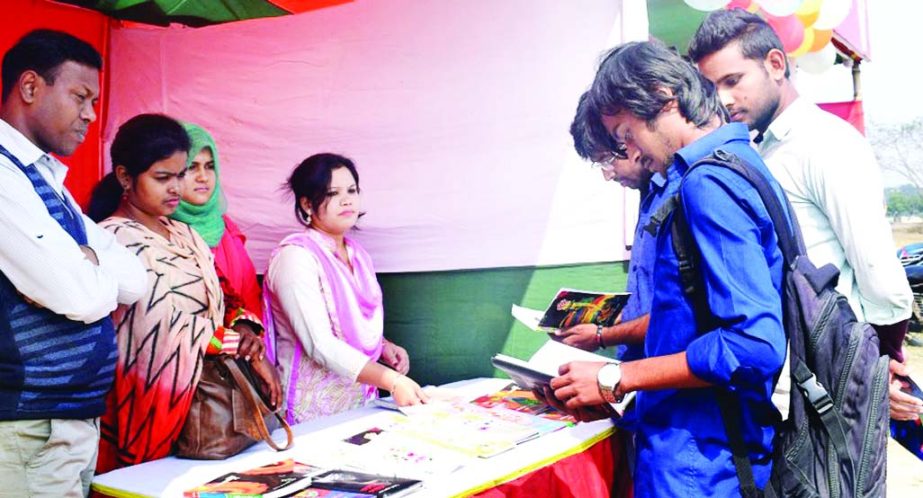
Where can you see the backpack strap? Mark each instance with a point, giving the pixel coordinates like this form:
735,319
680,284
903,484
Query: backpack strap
792,246
688,260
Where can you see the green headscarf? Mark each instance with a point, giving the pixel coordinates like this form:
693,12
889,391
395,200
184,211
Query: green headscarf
207,218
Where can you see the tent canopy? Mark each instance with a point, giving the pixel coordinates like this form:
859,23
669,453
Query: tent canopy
200,12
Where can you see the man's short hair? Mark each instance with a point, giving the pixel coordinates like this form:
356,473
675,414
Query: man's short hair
43,51
634,77
723,27
591,139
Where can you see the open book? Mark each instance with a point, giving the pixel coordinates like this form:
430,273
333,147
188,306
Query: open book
544,364
572,307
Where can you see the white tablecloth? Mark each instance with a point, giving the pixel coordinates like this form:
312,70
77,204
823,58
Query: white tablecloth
170,476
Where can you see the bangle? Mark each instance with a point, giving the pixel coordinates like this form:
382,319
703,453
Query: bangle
394,384
599,336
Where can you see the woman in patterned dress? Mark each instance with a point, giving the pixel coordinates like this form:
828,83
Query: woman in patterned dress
163,338
324,306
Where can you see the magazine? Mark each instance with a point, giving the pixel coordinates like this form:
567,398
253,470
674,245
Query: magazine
274,480
386,452
365,484
572,307
513,397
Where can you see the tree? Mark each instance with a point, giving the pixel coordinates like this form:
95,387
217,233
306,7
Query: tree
899,149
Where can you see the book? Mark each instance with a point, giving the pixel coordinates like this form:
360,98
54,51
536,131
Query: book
454,426
572,307
366,484
513,397
386,452
544,364
269,481
328,493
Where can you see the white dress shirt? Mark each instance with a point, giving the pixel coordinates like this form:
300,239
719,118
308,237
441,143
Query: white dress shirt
833,181
42,260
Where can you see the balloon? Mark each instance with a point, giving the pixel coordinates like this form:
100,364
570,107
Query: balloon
821,39
706,5
806,45
789,29
832,13
739,4
820,61
779,8
808,12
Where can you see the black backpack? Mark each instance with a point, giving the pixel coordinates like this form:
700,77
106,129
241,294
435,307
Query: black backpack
834,441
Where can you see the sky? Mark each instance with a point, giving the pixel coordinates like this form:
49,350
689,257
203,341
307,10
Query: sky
891,83
891,80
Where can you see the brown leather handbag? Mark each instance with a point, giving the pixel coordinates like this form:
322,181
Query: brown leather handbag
228,413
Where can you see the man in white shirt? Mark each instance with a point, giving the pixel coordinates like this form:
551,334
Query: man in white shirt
60,274
825,166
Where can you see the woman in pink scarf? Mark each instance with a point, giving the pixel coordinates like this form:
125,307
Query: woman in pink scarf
323,304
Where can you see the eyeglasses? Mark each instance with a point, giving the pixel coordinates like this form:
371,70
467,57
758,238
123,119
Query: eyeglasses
620,153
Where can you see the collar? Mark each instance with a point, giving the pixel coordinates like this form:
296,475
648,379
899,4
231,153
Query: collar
705,145
18,144
657,181
783,125
28,153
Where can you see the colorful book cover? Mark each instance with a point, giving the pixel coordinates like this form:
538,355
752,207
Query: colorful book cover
327,493
572,307
512,397
269,481
361,482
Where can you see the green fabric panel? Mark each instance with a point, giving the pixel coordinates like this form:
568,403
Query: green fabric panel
193,12
451,323
673,22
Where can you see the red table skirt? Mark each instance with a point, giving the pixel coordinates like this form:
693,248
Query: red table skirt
600,471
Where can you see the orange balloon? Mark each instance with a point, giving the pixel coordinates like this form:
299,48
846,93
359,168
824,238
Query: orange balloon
821,39
806,44
809,12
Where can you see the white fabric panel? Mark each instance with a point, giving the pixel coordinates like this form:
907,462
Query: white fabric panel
456,114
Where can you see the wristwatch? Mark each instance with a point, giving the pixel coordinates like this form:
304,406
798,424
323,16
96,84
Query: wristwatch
608,379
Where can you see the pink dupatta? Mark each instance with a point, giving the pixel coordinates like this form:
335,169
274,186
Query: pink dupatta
356,297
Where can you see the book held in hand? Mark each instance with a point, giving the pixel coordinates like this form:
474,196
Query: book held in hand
269,481
572,307
544,364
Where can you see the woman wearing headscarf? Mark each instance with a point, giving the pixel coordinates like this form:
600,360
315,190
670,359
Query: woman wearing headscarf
203,207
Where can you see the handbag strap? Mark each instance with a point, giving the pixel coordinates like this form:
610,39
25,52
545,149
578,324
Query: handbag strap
253,401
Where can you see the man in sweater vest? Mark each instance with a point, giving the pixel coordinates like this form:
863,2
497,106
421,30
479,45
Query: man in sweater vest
60,275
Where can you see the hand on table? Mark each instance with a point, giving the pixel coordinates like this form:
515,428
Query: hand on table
407,392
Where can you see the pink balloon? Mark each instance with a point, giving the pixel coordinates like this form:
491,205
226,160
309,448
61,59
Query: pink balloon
739,4
789,29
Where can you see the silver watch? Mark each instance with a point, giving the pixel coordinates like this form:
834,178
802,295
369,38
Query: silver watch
608,379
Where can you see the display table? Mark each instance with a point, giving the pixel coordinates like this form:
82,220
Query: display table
574,461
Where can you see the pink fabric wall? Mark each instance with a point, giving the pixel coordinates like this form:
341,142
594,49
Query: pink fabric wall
456,114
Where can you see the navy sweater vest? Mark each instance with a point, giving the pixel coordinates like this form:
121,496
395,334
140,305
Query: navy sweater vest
51,366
